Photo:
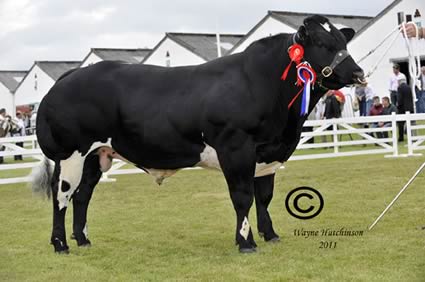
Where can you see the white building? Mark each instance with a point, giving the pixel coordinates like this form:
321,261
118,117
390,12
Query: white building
39,79
9,80
374,32
288,22
132,56
180,49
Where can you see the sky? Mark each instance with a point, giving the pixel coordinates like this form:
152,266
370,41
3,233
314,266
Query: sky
66,30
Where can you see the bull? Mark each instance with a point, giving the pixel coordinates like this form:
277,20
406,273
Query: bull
234,114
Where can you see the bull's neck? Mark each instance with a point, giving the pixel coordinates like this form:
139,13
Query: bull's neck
266,61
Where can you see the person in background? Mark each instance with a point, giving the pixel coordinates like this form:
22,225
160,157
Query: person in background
405,104
360,93
394,83
2,117
332,106
420,92
376,110
332,110
33,120
21,132
388,109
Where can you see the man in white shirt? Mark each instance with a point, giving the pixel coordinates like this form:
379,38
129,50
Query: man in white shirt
2,117
21,124
395,78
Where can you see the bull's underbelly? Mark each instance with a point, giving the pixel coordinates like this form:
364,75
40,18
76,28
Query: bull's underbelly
71,169
208,159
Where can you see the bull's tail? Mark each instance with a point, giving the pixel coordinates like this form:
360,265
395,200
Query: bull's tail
41,178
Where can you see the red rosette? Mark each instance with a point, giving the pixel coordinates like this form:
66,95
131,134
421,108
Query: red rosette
296,54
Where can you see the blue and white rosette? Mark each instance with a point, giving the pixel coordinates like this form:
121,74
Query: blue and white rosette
307,76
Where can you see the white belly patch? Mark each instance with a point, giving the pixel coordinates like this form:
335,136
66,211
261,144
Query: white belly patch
209,159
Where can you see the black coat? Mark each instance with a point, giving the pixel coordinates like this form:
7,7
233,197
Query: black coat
404,99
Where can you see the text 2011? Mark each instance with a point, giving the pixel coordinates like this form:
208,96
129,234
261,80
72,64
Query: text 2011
327,245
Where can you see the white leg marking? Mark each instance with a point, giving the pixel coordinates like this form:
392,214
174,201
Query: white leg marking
245,228
86,231
71,171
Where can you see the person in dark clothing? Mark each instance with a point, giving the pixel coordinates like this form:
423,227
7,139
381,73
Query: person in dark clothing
387,109
376,110
332,106
332,109
405,104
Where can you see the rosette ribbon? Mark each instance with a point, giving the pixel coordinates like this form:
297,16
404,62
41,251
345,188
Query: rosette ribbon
307,76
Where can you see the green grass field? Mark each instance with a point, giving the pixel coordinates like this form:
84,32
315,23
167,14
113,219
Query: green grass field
184,230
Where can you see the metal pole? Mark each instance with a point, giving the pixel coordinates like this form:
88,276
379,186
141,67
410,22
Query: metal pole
398,195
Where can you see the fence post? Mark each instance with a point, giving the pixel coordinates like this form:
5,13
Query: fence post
409,134
394,134
335,136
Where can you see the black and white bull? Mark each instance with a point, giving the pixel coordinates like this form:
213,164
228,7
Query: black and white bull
229,114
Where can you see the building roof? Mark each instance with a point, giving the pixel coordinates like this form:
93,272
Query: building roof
11,79
132,56
56,68
379,16
295,20
202,44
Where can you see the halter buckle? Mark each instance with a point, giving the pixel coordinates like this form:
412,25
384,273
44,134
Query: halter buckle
327,71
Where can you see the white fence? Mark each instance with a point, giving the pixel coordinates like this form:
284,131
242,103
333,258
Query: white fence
337,130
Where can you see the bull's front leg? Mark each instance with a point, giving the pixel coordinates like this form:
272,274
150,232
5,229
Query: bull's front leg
263,195
237,161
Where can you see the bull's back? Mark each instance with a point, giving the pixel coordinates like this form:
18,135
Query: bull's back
134,105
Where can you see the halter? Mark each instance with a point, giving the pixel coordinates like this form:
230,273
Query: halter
338,59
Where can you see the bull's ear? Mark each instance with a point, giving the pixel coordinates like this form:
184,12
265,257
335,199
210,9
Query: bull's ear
348,33
302,34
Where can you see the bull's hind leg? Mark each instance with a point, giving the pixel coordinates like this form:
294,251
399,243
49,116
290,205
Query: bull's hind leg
82,196
66,177
237,160
263,195
58,239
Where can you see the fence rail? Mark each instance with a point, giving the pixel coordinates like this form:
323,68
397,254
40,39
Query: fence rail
352,128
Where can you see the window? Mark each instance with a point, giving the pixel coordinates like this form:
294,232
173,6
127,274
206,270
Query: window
167,59
35,82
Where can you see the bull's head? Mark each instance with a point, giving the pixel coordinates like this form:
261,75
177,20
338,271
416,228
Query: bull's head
326,50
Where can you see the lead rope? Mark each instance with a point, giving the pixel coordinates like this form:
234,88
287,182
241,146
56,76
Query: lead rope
414,59
375,67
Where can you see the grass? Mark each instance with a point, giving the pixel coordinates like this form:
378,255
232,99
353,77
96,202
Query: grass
184,230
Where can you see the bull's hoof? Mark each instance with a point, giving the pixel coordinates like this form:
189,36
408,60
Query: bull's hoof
82,241
86,244
60,246
62,252
247,250
273,240
271,237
